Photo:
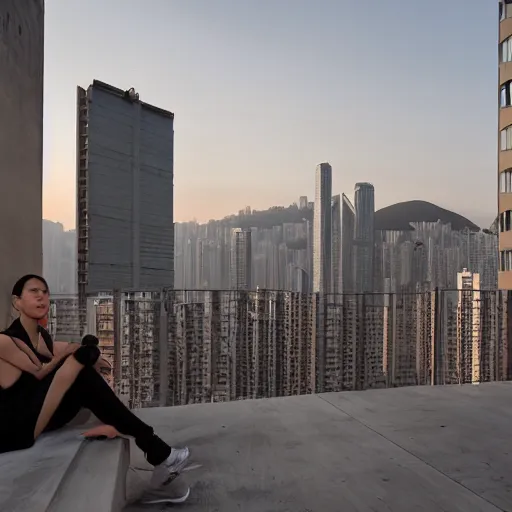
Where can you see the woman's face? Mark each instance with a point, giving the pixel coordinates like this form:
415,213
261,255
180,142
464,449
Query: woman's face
34,301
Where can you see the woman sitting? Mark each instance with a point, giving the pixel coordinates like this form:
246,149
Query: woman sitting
44,385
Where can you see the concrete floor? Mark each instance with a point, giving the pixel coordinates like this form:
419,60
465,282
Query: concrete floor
400,450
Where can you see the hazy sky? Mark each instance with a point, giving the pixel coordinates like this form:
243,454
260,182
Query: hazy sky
400,93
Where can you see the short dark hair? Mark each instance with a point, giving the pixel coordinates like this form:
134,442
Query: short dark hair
17,289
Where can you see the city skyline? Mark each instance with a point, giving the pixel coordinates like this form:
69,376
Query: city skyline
402,145
325,296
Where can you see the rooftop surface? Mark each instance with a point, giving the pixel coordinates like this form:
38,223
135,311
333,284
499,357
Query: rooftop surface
445,448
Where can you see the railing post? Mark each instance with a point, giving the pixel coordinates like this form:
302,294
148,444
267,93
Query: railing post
436,365
393,340
116,308
163,343
361,342
508,350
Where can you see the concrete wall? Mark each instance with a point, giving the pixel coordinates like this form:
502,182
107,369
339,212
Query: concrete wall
21,142
130,194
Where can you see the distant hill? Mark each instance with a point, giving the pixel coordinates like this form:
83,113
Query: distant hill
266,219
399,216
395,217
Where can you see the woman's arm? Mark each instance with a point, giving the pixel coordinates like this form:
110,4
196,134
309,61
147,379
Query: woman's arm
12,354
61,346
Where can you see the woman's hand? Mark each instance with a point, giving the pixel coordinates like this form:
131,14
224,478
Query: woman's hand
64,348
71,348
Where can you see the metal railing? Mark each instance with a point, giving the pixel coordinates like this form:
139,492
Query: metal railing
181,347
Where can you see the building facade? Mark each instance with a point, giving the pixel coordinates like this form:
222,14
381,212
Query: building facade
469,326
336,244
21,142
125,185
505,144
59,258
241,259
348,220
364,204
322,229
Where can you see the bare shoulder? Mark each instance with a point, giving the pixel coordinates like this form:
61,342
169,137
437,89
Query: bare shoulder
17,353
6,342
5,339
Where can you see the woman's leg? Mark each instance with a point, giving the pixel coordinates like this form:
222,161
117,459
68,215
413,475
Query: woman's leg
56,412
75,385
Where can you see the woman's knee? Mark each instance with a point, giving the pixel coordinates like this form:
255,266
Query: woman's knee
87,355
84,357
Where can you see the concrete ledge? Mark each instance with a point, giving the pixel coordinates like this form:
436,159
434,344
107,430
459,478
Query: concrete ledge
61,467
30,478
97,476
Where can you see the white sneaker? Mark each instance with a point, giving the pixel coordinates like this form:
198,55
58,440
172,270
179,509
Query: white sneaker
167,494
170,469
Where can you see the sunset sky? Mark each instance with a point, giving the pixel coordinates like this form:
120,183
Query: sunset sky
402,94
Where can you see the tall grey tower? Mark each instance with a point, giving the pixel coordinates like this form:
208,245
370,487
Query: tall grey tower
364,204
125,223
322,230
348,219
21,142
241,259
336,244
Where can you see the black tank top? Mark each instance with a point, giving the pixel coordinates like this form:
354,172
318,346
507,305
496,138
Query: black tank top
16,330
11,397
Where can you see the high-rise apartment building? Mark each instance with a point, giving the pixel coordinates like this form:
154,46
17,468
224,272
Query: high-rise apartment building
125,222
469,335
241,259
322,230
364,203
59,258
505,145
348,219
336,244
21,142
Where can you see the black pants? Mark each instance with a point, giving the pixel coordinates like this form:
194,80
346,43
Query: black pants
90,391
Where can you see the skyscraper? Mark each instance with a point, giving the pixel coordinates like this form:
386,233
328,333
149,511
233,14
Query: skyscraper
322,230
348,219
59,258
21,142
241,259
125,222
505,145
469,334
364,203
336,244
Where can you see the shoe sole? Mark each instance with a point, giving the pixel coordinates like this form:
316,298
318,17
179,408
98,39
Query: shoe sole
167,500
191,467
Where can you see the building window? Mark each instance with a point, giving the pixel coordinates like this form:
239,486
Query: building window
506,182
505,221
506,260
505,94
506,50
505,9
506,139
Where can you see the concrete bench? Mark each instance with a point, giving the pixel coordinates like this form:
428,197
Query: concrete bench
63,472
